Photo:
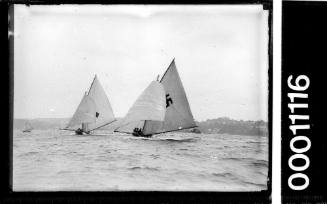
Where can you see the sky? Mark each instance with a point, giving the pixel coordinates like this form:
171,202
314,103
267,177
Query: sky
221,54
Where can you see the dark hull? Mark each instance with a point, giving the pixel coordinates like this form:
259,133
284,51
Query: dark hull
135,134
81,132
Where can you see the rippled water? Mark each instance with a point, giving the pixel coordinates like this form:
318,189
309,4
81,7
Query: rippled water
55,160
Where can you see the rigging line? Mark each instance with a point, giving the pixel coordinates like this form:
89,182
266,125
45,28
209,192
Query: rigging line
103,125
66,129
123,132
174,130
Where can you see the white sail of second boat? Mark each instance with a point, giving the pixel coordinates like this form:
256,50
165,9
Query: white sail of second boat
177,112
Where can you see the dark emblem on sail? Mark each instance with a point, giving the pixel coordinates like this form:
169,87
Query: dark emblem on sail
168,101
97,114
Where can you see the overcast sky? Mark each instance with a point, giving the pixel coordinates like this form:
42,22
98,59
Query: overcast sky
221,53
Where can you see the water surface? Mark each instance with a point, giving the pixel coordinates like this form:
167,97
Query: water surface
52,160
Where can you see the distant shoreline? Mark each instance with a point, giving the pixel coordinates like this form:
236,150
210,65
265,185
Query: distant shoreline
222,125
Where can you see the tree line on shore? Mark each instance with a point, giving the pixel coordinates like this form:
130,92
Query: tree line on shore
225,125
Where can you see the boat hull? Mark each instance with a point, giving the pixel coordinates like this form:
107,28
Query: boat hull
81,132
135,134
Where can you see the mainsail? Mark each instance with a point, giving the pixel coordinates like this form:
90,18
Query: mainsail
150,105
94,111
178,113
27,127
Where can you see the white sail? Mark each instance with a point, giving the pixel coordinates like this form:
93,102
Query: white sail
178,113
85,112
103,111
27,127
150,105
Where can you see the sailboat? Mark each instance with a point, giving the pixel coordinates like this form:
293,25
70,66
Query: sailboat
93,112
27,127
162,107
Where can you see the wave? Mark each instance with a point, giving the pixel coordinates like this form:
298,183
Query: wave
28,154
145,168
155,156
256,184
175,140
235,158
246,159
254,142
259,163
223,175
63,172
181,140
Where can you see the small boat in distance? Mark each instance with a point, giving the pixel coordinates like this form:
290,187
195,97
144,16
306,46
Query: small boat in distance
93,112
162,107
27,127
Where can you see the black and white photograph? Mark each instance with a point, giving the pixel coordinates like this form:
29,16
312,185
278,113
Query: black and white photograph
141,98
